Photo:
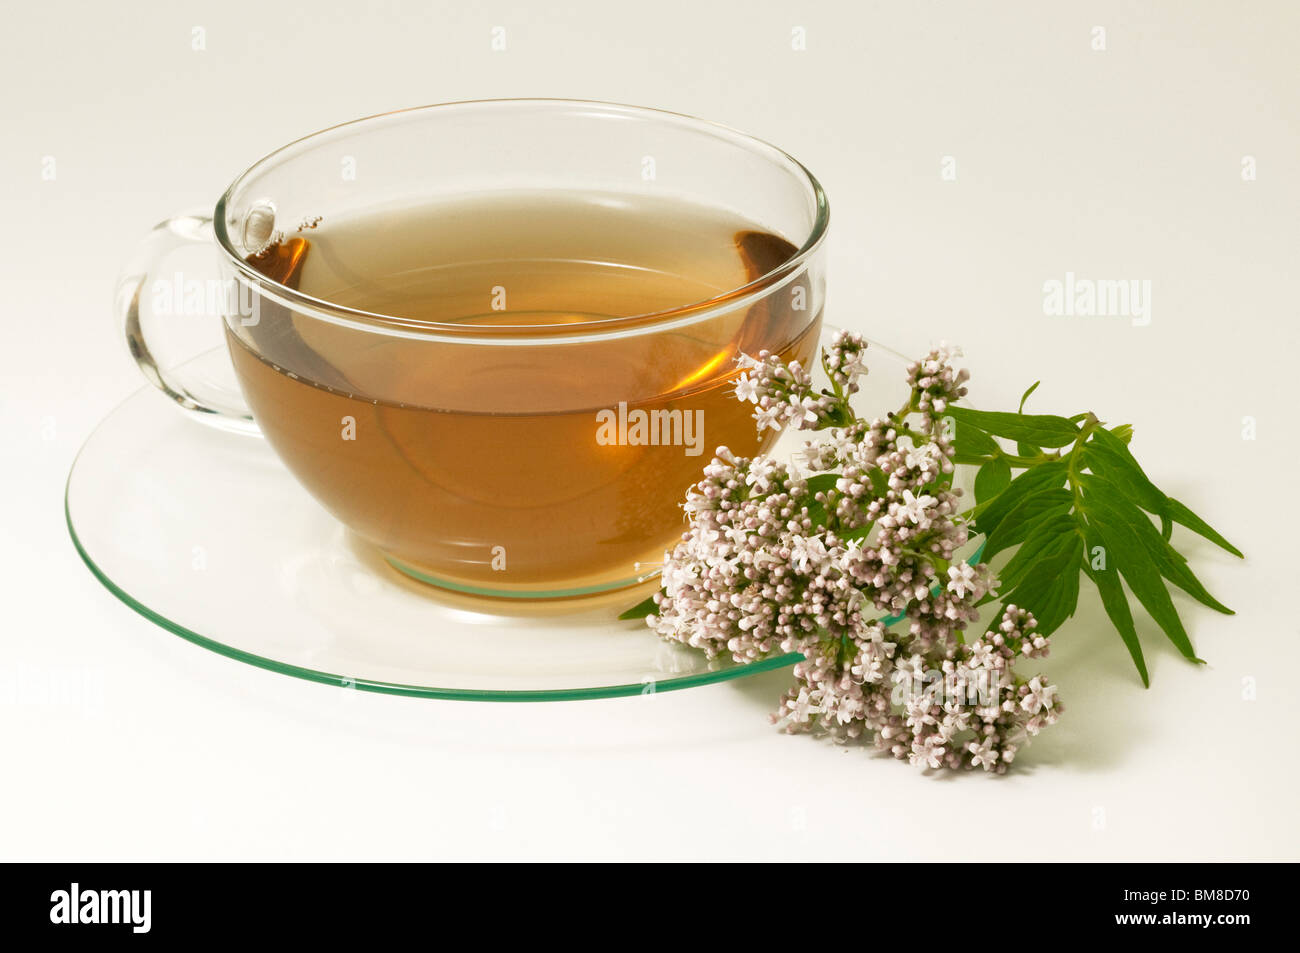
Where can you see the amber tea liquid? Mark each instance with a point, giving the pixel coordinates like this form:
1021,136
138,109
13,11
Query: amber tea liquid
538,470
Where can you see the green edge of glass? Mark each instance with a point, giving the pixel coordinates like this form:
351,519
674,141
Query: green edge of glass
649,687
506,594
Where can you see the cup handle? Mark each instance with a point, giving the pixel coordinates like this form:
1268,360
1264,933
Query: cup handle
192,384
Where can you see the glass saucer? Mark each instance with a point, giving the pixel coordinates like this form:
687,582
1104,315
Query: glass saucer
205,533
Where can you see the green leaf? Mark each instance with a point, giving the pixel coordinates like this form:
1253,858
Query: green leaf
1107,457
1025,516
1058,510
1027,449
1114,600
971,445
1025,396
1047,541
1042,430
1173,567
1170,563
1181,515
1043,476
642,609
1131,558
861,532
1103,499
1050,589
822,482
992,478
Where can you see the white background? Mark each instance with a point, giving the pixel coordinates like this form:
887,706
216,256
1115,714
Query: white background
1122,163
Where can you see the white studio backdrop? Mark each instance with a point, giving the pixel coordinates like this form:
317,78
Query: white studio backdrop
973,154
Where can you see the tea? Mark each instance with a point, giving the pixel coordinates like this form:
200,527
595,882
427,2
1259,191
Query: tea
547,469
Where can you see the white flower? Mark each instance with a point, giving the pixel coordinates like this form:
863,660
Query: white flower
807,553
962,579
918,711
920,458
1041,696
811,456
769,418
854,366
930,754
869,668
754,575
747,389
760,474
982,754
982,655
913,508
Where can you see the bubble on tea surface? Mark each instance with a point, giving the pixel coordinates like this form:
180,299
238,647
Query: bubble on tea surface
259,227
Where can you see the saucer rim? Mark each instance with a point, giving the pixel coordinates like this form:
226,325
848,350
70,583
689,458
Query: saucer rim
730,672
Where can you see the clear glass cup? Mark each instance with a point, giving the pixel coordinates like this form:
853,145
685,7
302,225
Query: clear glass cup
480,457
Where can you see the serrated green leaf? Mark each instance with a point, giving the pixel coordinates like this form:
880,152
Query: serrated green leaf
1043,476
992,478
1050,589
1046,541
1181,515
1115,602
642,609
1113,468
1180,574
971,445
1114,460
1103,499
1043,430
1106,455
1025,516
1131,558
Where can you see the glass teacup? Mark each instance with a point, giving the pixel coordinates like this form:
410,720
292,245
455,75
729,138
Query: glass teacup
498,340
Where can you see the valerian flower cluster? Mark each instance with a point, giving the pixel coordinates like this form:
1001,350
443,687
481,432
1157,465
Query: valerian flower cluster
849,555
